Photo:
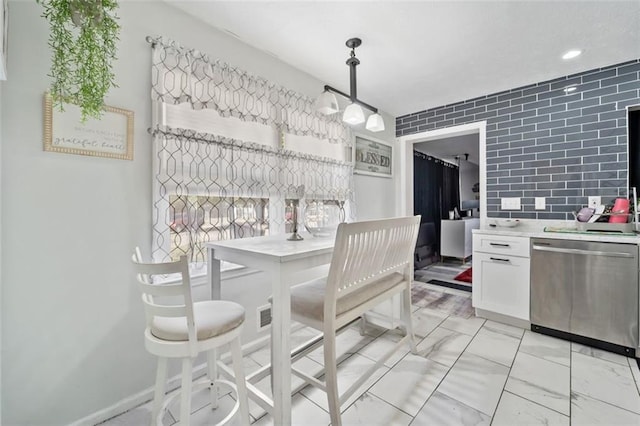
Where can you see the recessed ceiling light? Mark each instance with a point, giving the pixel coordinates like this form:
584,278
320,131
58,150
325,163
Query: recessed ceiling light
571,54
570,89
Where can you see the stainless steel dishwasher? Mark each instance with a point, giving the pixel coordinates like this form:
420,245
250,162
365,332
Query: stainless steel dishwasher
586,292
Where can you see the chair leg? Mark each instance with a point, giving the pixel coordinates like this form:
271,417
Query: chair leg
238,371
331,378
158,397
363,324
185,400
408,320
212,367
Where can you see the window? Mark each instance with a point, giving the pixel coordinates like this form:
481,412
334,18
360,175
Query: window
196,220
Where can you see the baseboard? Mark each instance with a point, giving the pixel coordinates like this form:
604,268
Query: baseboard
588,341
135,400
505,319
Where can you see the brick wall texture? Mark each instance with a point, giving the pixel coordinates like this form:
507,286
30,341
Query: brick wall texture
545,142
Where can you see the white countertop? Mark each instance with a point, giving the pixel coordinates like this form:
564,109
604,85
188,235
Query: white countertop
535,228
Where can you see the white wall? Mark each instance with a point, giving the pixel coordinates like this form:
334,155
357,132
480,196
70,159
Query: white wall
469,176
375,196
72,321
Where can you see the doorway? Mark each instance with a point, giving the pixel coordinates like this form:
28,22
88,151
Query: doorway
441,142
406,145
446,177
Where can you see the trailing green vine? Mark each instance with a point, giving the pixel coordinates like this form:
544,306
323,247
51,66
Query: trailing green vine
83,43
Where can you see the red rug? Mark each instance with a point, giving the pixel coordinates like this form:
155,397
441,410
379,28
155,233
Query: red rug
465,276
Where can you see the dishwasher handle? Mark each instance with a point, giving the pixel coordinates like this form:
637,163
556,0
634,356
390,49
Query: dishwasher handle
583,252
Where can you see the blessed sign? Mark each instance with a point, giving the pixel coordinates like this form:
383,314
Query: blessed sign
372,157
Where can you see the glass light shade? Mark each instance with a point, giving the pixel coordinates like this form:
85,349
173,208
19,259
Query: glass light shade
375,123
327,103
353,114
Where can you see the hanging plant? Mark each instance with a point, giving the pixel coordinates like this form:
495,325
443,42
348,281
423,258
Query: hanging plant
83,41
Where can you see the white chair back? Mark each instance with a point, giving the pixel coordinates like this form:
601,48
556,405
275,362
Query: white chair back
166,305
167,299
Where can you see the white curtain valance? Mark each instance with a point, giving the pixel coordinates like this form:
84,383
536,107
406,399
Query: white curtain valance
181,75
251,169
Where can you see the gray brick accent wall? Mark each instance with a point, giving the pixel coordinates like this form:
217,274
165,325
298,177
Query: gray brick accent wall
543,142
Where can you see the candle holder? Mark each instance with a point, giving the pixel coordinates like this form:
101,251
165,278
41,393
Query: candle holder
343,214
294,217
295,193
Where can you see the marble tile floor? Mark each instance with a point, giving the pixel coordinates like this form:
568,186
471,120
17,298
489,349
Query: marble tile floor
423,296
468,371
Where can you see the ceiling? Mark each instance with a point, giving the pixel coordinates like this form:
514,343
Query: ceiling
449,148
417,55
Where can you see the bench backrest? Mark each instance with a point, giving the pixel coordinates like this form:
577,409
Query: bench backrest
368,251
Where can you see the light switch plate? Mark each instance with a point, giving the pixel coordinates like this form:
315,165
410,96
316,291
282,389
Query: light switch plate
540,203
510,203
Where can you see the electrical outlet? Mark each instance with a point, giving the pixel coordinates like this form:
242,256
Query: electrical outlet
595,201
510,203
540,203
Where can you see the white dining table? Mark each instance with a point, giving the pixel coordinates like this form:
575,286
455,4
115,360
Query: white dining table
282,260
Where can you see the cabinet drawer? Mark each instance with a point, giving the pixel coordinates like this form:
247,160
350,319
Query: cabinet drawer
500,244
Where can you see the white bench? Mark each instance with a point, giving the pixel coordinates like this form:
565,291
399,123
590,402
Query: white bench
372,261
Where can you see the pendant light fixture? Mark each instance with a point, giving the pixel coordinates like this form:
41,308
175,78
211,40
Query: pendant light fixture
353,114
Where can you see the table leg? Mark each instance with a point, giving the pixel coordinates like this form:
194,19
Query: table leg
281,347
213,275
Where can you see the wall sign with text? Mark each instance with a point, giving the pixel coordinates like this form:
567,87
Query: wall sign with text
372,157
111,136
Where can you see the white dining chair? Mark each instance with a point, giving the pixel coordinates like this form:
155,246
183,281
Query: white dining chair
183,329
372,261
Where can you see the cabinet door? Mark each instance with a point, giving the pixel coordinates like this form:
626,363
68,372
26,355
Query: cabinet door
452,238
501,284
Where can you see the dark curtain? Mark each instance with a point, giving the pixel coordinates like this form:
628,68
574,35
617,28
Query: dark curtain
435,190
450,189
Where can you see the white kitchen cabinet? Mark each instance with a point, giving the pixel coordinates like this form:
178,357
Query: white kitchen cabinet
456,237
501,275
